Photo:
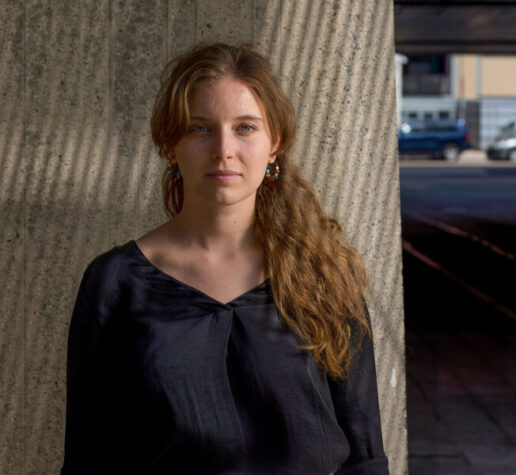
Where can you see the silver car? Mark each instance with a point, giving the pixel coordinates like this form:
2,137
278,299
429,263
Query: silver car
504,144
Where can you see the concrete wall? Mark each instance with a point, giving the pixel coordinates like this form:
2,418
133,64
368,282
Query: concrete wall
79,173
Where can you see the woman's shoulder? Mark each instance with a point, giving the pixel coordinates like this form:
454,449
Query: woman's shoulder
108,264
122,266
102,276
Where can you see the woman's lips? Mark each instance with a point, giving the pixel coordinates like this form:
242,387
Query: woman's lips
223,176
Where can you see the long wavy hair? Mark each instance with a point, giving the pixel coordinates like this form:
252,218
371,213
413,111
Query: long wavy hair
317,280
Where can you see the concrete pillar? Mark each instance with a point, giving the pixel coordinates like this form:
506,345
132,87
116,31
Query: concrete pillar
79,173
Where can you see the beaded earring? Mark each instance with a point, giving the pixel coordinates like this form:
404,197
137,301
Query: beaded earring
276,172
174,177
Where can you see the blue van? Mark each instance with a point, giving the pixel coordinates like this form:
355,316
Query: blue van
443,138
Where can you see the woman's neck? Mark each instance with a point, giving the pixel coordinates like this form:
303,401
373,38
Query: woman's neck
220,230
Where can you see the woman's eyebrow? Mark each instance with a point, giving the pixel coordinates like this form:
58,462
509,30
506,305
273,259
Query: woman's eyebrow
249,117
241,117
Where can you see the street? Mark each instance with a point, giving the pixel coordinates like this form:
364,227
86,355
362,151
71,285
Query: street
459,247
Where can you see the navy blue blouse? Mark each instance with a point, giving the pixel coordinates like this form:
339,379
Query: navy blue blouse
163,379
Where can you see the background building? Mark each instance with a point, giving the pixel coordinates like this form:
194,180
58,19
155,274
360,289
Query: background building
481,89
461,62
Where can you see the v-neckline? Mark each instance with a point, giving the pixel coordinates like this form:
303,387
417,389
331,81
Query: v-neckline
190,287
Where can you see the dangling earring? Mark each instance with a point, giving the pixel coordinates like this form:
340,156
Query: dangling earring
276,172
174,177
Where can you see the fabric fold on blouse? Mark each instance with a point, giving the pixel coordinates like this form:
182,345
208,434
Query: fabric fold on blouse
162,379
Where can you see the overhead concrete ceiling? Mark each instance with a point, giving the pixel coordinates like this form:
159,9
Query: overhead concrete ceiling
455,26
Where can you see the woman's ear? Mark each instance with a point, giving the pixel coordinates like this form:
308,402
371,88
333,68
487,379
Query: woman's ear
274,149
172,156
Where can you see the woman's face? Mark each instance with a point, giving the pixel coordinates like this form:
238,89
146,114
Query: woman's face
228,134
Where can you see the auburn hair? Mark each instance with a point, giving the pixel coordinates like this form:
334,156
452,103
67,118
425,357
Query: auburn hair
317,280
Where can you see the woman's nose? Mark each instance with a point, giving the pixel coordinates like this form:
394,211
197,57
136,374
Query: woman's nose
223,146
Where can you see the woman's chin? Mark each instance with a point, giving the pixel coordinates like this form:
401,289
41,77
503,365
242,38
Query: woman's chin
229,197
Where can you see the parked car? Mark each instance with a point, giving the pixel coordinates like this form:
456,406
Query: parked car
504,144
444,138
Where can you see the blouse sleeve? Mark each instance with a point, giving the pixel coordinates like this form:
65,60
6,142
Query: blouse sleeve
87,416
356,406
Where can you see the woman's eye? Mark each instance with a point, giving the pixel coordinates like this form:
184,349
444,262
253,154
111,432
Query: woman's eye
246,127
198,128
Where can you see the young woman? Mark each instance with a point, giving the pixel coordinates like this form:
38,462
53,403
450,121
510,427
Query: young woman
233,338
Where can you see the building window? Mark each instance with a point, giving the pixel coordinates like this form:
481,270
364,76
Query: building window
426,75
444,114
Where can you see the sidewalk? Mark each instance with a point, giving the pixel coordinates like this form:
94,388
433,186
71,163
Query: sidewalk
461,379
467,158
461,404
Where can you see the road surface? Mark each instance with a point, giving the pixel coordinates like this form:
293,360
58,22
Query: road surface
459,246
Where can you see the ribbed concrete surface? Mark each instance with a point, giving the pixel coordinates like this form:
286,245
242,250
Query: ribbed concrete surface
79,173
